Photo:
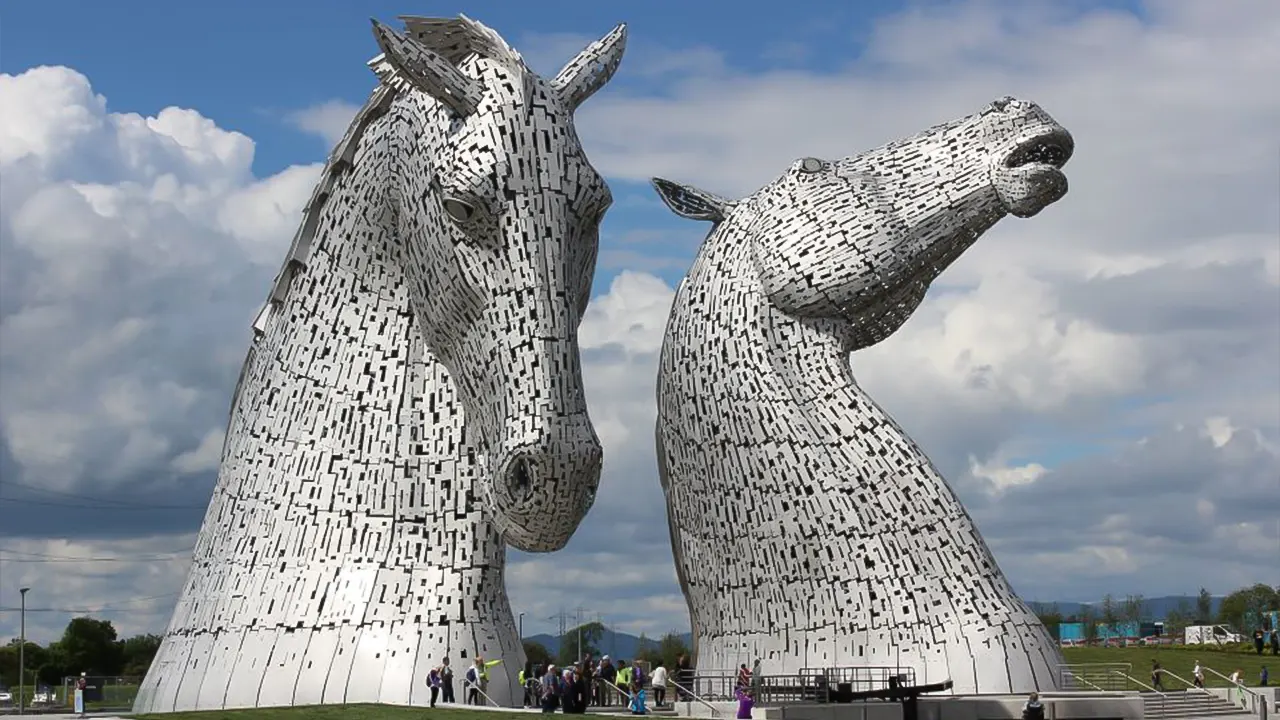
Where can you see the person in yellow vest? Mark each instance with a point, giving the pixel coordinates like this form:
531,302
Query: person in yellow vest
624,677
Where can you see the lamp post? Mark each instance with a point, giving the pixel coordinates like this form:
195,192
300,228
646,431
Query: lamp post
22,654
521,628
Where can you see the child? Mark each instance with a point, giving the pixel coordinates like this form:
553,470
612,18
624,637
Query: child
745,703
637,700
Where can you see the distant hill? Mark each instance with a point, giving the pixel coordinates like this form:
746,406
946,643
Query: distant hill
625,646
616,644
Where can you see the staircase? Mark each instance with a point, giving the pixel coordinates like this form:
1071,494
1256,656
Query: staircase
1187,704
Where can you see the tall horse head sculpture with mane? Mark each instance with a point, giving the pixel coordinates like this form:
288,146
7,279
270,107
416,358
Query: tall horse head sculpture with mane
809,531
412,401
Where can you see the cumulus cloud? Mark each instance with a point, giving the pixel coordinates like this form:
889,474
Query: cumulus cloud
328,120
1099,383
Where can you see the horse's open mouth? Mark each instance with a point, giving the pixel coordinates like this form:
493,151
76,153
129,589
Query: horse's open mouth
1051,147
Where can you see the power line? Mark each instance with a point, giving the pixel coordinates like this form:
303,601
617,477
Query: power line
86,500
109,607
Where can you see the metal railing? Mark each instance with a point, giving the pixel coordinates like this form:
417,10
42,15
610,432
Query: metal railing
466,698
687,693
1254,698
1164,699
1099,676
1068,675
813,685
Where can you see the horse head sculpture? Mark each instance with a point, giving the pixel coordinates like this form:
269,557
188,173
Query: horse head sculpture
497,212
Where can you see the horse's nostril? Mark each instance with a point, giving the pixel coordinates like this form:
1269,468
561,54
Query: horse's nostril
520,479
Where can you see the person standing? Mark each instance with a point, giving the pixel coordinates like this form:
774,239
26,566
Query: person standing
446,682
1263,677
684,676
1157,673
608,675
659,684
1275,642
550,689
472,681
433,682
1197,676
1259,640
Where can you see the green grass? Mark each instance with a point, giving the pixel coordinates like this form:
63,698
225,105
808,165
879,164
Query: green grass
339,712
1180,660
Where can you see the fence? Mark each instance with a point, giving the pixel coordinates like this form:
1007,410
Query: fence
100,693
1095,676
808,685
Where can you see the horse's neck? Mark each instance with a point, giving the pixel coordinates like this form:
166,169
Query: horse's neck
346,462
798,368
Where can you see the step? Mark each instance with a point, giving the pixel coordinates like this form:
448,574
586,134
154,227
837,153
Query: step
1186,705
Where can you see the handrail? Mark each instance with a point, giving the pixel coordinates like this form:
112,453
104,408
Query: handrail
1253,696
1086,682
1138,682
1190,685
615,687
467,683
689,692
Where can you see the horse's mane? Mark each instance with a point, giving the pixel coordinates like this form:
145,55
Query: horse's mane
454,39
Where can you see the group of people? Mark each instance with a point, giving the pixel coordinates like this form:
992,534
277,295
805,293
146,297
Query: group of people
1260,640
603,683
475,682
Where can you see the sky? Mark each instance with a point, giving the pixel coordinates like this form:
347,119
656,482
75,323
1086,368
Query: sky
1100,384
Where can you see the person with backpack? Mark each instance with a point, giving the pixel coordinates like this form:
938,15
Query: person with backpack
472,680
1033,710
433,682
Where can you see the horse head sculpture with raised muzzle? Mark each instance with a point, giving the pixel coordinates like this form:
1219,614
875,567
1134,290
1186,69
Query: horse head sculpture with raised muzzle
808,530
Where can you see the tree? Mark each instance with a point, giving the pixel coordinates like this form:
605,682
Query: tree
1089,623
9,657
1243,609
670,647
537,653
1179,618
1050,616
89,645
136,654
1109,614
591,633
1204,607
1133,608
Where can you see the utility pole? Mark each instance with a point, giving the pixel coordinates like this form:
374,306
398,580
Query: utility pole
580,610
562,616
22,654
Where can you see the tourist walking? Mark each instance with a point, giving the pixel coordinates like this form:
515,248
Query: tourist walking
745,703
660,684
1157,679
1197,676
549,688
472,680
1259,640
608,674
684,677
1275,642
446,682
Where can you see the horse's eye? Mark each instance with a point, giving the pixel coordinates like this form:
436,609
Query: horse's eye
811,165
458,210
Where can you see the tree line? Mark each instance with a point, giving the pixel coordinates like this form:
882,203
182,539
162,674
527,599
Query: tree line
87,645
1244,610
664,650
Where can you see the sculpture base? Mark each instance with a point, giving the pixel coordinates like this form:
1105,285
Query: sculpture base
1060,706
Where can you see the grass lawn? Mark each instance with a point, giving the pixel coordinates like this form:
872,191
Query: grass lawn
1180,660
341,712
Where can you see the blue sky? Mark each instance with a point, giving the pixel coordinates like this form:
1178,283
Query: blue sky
1123,342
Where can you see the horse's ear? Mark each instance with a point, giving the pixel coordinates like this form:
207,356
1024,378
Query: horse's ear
592,68
690,202
427,71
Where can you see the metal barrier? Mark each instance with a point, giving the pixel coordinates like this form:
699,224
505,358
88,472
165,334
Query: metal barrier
1097,676
810,685
101,692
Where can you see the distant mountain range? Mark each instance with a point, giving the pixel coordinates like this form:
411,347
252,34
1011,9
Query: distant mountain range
626,646
615,644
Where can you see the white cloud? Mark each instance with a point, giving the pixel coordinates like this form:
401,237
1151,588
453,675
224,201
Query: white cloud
1098,383
328,120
